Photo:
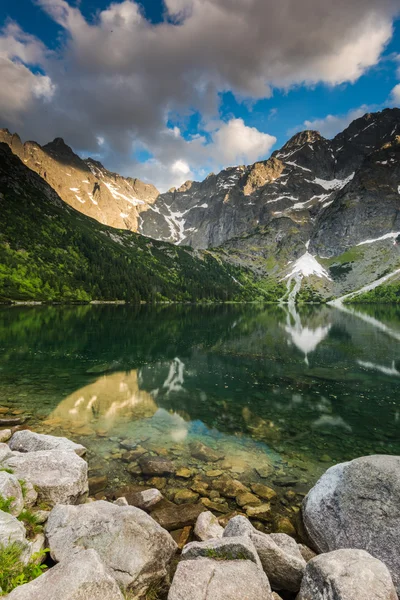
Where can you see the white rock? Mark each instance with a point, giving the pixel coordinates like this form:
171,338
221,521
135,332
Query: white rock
60,477
146,499
11,530
29,441
5,452
347,575
82,576
356,505
134,547
207,527
11,488
121,501
206,579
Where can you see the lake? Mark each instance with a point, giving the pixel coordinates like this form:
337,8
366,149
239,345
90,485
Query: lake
281,393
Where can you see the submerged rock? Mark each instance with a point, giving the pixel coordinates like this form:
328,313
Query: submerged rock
207,527
347,575
171,517
10,489
228,487
154,465
185,497
205,453
203,579
59,476
356,505
82,576
131,544
29,441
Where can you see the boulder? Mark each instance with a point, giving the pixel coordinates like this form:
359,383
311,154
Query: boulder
146,499
29,441
347,575
280,556
5,435
265,492
59,476
5,452
82,576
207,527
232,548
205,453
10,488
130,543
171,517
11,530
154,465
306,552
228,487
205,579
356,505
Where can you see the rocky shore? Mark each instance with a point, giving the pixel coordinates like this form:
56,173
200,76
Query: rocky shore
143,546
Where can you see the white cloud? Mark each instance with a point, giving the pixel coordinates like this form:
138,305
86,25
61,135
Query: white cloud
330,125
395,95
118,76
180,167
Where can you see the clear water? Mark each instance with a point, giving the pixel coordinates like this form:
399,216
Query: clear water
293,392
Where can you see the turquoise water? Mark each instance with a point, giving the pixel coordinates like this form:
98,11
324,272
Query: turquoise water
289,391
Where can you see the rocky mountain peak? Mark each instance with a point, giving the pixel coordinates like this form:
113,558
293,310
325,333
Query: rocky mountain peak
300,139
262,173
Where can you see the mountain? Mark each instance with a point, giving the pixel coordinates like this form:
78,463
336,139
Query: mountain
319,219
85,184
51,252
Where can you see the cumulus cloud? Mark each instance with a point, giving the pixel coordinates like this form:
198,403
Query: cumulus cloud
118,76
395,95
330,125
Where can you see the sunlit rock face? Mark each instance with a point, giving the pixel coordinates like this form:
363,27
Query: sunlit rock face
99,405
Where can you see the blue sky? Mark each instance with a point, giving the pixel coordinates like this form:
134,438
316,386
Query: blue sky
169,91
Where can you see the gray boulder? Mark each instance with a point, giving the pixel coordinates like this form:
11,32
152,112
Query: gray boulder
82,576
29,441
347,575
11,488
59,476
5,452
233,548
146,499
356,505
131,544
207,527
205,579
279,554
11,530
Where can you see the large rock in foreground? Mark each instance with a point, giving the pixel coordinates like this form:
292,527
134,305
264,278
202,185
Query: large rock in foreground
80,577
357,505
130,543
205,579
10,489
11,530
347,575
60,477
29,441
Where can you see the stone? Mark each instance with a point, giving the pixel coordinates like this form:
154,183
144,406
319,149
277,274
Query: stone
214,473
29,441
11,530
186,497
155,465
201,487
280,557
276,596
59,476
247,499
215,506
263,491
356,505
238,526
207,527
4,421
228,487
134,454
5,452
184,473
171,517
347,574
121,501
205,453
306,552
157,482
284,525
281,560
261,512
10,488
184,536
205,579
265,472
129,542
82,576
230,548
97,484
41,516
145,499
30,494
134,469
5,435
